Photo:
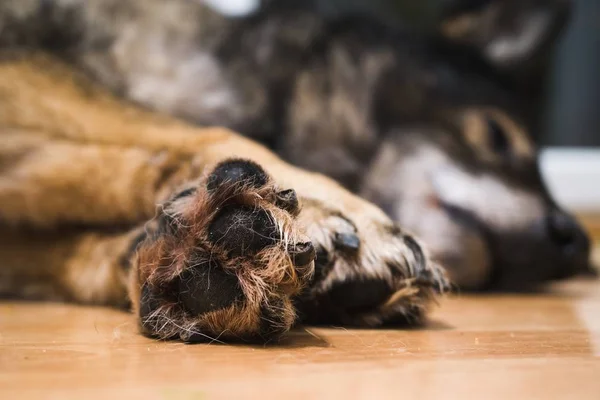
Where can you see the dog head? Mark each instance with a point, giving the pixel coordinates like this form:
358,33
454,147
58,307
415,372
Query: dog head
462,174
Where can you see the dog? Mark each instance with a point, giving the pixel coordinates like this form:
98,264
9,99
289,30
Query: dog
231,253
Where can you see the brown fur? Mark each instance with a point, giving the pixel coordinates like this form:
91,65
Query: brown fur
82,173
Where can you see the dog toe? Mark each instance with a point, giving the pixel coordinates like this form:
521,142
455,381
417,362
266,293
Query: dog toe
206,287
243,230
367,273
237,171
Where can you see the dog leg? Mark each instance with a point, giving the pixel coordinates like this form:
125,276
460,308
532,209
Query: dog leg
368,270
221,261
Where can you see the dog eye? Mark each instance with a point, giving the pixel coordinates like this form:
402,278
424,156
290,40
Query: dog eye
498,140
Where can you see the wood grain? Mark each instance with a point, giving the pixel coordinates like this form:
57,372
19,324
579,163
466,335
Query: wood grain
544,346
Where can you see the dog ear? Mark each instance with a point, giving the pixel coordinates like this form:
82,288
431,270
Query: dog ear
512,35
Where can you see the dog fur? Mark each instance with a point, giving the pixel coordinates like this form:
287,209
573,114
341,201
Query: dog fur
82,173
401,121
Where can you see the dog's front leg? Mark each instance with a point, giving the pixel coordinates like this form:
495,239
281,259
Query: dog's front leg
368,271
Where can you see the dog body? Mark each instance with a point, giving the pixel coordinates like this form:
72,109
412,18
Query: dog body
415,126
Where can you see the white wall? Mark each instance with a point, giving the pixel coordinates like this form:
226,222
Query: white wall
573,177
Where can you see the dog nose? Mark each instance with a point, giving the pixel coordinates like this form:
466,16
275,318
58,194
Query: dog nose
562,228
571,240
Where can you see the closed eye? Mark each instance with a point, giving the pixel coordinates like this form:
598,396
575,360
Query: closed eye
497,138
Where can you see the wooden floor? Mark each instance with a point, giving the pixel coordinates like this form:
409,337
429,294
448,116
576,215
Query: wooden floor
539,346
544,346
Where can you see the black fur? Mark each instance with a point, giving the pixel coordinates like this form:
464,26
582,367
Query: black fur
343,299
357,295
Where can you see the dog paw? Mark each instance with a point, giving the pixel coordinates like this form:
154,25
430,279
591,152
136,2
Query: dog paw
223,259
368,271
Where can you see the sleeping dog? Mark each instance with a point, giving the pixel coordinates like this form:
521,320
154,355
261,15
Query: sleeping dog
416,126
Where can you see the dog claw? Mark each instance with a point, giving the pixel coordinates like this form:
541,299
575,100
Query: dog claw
302,253
347,241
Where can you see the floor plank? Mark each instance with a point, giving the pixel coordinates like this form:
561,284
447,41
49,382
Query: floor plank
543,346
